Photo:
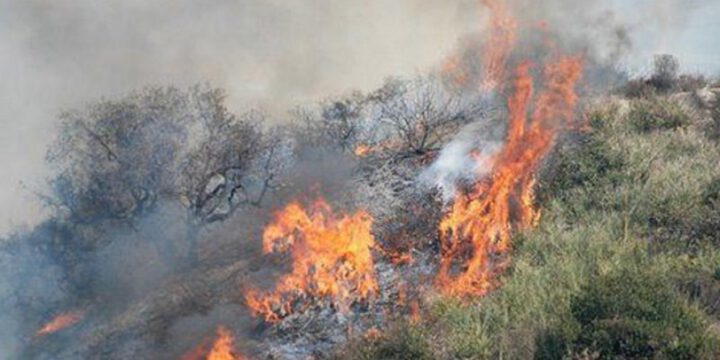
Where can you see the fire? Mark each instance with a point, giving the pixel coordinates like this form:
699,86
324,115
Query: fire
481,221
222,349
331,259
479,224
362,150
455,71
497,49
60,322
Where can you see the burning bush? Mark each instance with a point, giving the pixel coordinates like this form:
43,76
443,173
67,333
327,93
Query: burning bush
331,259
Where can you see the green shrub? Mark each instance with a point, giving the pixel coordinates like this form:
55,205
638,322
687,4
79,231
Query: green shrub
685,219
712,129
656,114
711,194
583,162
637,314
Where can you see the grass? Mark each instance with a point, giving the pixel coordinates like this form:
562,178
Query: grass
624,264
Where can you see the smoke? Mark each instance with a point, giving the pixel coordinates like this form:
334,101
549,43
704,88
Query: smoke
458,159
271,55
268,54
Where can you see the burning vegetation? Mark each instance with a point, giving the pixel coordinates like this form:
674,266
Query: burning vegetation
481,221
222,348
426,184
60,322
331,260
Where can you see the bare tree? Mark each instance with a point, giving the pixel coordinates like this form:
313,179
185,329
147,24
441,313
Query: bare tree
422,114
117,159
338,124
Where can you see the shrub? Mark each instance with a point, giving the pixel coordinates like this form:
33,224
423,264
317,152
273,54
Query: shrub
686,219
711,194
691,82
636,314
583,162
665,75
664,80
656,114
638,89
712,129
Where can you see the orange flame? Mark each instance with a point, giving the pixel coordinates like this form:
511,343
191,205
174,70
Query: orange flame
222,349
60,322
499,45
480,222
455,71
362,150
331,258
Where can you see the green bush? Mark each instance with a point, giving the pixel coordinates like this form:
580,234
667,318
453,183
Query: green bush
583,162
685,219
636,314
657,114
711,194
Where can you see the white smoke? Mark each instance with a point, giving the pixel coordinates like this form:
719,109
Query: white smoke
458,161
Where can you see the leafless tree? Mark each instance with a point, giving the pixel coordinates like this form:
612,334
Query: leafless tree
422,114
338,124
117,159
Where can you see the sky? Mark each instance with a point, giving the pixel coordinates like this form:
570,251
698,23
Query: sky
267,54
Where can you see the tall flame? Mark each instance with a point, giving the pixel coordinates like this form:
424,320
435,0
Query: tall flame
480,222
331,258
500,43
60,322
223,347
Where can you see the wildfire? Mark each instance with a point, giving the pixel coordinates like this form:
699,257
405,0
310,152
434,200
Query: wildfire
502,39
60,322
222,349
362,150
479,224
331,259
454,69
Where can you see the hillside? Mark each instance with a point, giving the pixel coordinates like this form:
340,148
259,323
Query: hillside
625,260
523,198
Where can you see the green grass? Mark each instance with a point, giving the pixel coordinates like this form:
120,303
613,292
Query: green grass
624,264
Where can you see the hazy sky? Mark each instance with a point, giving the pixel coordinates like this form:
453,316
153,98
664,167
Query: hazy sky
57,54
